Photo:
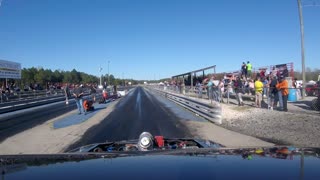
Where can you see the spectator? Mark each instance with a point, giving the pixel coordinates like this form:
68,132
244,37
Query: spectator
274,71
280,99
296,86
282,86
229,88
210,88
262,74
78,94
221,90
244,70
249,69
251,87
67,93
265,86
273,93
285,72
258,90
238,87
301,89
199,89
215,88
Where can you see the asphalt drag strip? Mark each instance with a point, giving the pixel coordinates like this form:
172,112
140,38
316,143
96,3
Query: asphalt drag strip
139,111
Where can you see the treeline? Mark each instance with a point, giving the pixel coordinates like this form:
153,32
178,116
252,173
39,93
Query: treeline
311,74
42,77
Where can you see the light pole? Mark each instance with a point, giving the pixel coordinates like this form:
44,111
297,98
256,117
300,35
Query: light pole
302,49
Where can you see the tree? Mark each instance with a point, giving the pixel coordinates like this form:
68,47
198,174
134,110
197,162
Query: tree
311,74
75,77
67,77
57,76
42,77
86,78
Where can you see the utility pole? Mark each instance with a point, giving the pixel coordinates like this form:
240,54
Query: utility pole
302,49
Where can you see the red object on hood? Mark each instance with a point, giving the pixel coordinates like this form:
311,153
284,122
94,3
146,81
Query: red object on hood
159,141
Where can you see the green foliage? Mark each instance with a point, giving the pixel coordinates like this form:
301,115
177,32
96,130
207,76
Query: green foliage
311,74
43,76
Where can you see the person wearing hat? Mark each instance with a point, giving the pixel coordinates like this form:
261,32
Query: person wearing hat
78,94
283,87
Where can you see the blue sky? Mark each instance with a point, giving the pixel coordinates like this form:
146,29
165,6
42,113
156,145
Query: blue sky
151,39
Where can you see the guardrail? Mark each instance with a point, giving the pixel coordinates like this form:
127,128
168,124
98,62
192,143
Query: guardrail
25,95
28,103
210,111
18,96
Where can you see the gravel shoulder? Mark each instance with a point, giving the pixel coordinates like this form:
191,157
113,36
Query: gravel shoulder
299,126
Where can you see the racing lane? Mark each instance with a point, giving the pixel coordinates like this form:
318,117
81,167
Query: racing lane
139,111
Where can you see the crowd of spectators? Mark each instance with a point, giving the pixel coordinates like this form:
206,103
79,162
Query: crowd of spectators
268,87
10,90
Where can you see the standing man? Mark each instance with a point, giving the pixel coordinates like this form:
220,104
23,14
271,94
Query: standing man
67,93
78,94
249,69
295,85
243,70
210,88
283,87
221,90
273,93
238,87
258,85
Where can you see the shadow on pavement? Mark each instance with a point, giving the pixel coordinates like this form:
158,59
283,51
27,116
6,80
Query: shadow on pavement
76,118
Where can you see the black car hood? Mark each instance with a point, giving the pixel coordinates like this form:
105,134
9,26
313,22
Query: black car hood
223,163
